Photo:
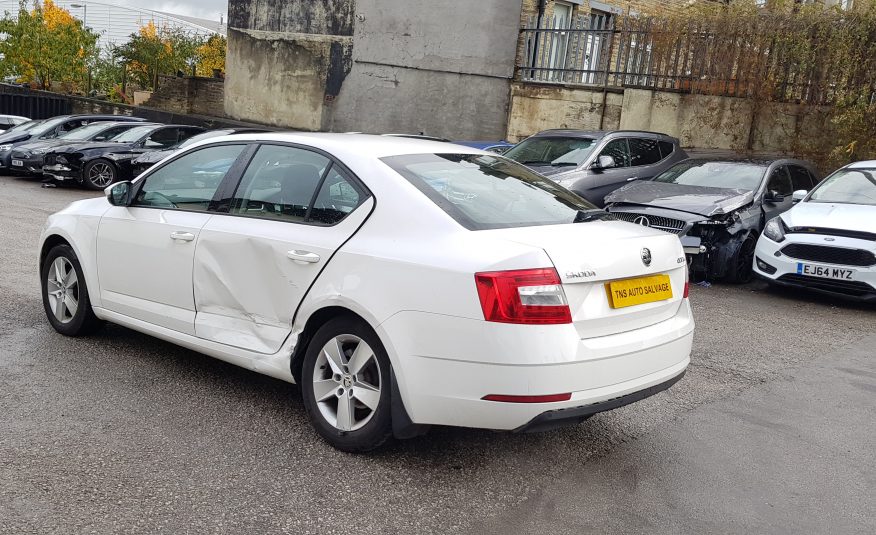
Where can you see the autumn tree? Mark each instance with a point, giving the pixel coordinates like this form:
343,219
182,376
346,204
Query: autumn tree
211,55
154,51
45,45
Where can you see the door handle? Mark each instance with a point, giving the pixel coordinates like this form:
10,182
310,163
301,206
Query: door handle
632,178
182,236
303,257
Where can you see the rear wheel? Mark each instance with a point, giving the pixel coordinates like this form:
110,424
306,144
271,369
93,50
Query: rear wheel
99,174
65,295
740,268
345,384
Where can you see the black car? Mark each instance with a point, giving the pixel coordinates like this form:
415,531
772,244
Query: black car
28,157
595,163
718,208
48,129
147,160
97,165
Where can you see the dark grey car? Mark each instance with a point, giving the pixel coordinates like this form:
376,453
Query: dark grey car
595,163
717,207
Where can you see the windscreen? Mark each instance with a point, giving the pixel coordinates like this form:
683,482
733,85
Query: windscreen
733,175
134,134
24,127
847,186
84,132
489,192
556,151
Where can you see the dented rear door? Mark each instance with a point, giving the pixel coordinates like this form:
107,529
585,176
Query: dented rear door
254,265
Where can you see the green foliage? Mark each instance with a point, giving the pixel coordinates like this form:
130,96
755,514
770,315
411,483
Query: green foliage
157,51
46,45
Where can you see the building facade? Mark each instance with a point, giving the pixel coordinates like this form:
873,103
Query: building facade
389,66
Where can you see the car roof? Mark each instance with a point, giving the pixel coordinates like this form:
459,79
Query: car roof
863,164
355,144
598,134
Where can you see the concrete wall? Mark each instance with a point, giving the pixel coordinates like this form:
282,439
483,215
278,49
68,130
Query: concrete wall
699,121
404,66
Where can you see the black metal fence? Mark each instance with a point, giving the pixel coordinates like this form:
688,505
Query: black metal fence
772,57
33,105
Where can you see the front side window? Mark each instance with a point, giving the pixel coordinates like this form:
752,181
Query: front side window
780,181
847,186
162,139
280,183
644,151
800,179
189,182
555,151
619,151
733,175
488,192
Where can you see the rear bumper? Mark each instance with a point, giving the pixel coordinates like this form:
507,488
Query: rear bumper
562,417
446,365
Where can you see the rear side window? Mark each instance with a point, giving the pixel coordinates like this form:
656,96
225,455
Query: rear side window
279,183
666,148
800,179
338,196
644,151
488,192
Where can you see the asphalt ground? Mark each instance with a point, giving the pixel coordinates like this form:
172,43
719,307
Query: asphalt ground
123,433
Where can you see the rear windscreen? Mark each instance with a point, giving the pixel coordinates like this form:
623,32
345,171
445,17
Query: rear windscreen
488,192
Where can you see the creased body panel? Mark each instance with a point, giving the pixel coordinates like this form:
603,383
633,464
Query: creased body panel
246,286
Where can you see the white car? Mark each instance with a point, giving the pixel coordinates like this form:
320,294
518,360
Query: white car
11,121
402,283
827,242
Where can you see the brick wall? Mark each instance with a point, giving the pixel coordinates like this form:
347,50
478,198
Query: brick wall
189,95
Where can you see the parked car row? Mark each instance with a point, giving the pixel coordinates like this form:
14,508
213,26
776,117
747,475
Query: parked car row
94,150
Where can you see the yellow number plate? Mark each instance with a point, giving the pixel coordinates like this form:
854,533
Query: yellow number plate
630,292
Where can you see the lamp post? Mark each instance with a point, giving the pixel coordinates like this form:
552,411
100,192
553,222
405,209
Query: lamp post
84,8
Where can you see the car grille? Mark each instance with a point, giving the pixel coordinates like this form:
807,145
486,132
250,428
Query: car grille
830,255
845,287
666,224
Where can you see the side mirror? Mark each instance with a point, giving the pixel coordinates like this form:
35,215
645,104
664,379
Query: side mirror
119,194
603,162
799,195
774,196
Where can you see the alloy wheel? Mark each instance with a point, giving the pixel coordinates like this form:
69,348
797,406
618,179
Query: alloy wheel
62,288
347,382
101,174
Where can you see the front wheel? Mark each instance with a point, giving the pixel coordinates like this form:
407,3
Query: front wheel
65,295
99,174
740,269
345,384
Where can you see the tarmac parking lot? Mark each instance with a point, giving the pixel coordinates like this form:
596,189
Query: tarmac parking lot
771,430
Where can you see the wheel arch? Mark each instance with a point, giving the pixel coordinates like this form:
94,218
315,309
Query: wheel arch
51,241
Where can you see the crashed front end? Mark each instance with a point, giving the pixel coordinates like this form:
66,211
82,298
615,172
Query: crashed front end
710,239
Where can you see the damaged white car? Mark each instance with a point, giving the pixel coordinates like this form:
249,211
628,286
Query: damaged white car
402,283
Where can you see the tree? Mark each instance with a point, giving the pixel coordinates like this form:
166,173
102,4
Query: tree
211,55
46,45
154,51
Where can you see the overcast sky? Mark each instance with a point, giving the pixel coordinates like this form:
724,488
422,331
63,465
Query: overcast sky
207,9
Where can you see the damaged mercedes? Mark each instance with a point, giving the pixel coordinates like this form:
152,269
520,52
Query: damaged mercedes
718,208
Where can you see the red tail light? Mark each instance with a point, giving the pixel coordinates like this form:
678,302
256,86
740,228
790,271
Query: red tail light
686,283
550,398
529,296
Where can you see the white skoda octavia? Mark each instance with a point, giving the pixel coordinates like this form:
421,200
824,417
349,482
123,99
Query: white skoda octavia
402,283
827,242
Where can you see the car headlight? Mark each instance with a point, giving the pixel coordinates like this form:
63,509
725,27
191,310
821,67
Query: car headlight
5,147
40,151
775,230
116,157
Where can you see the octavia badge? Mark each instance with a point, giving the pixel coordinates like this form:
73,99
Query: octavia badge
646,256
642,220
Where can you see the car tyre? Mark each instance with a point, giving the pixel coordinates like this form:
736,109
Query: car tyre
345,385
740,269
65,293
99,174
